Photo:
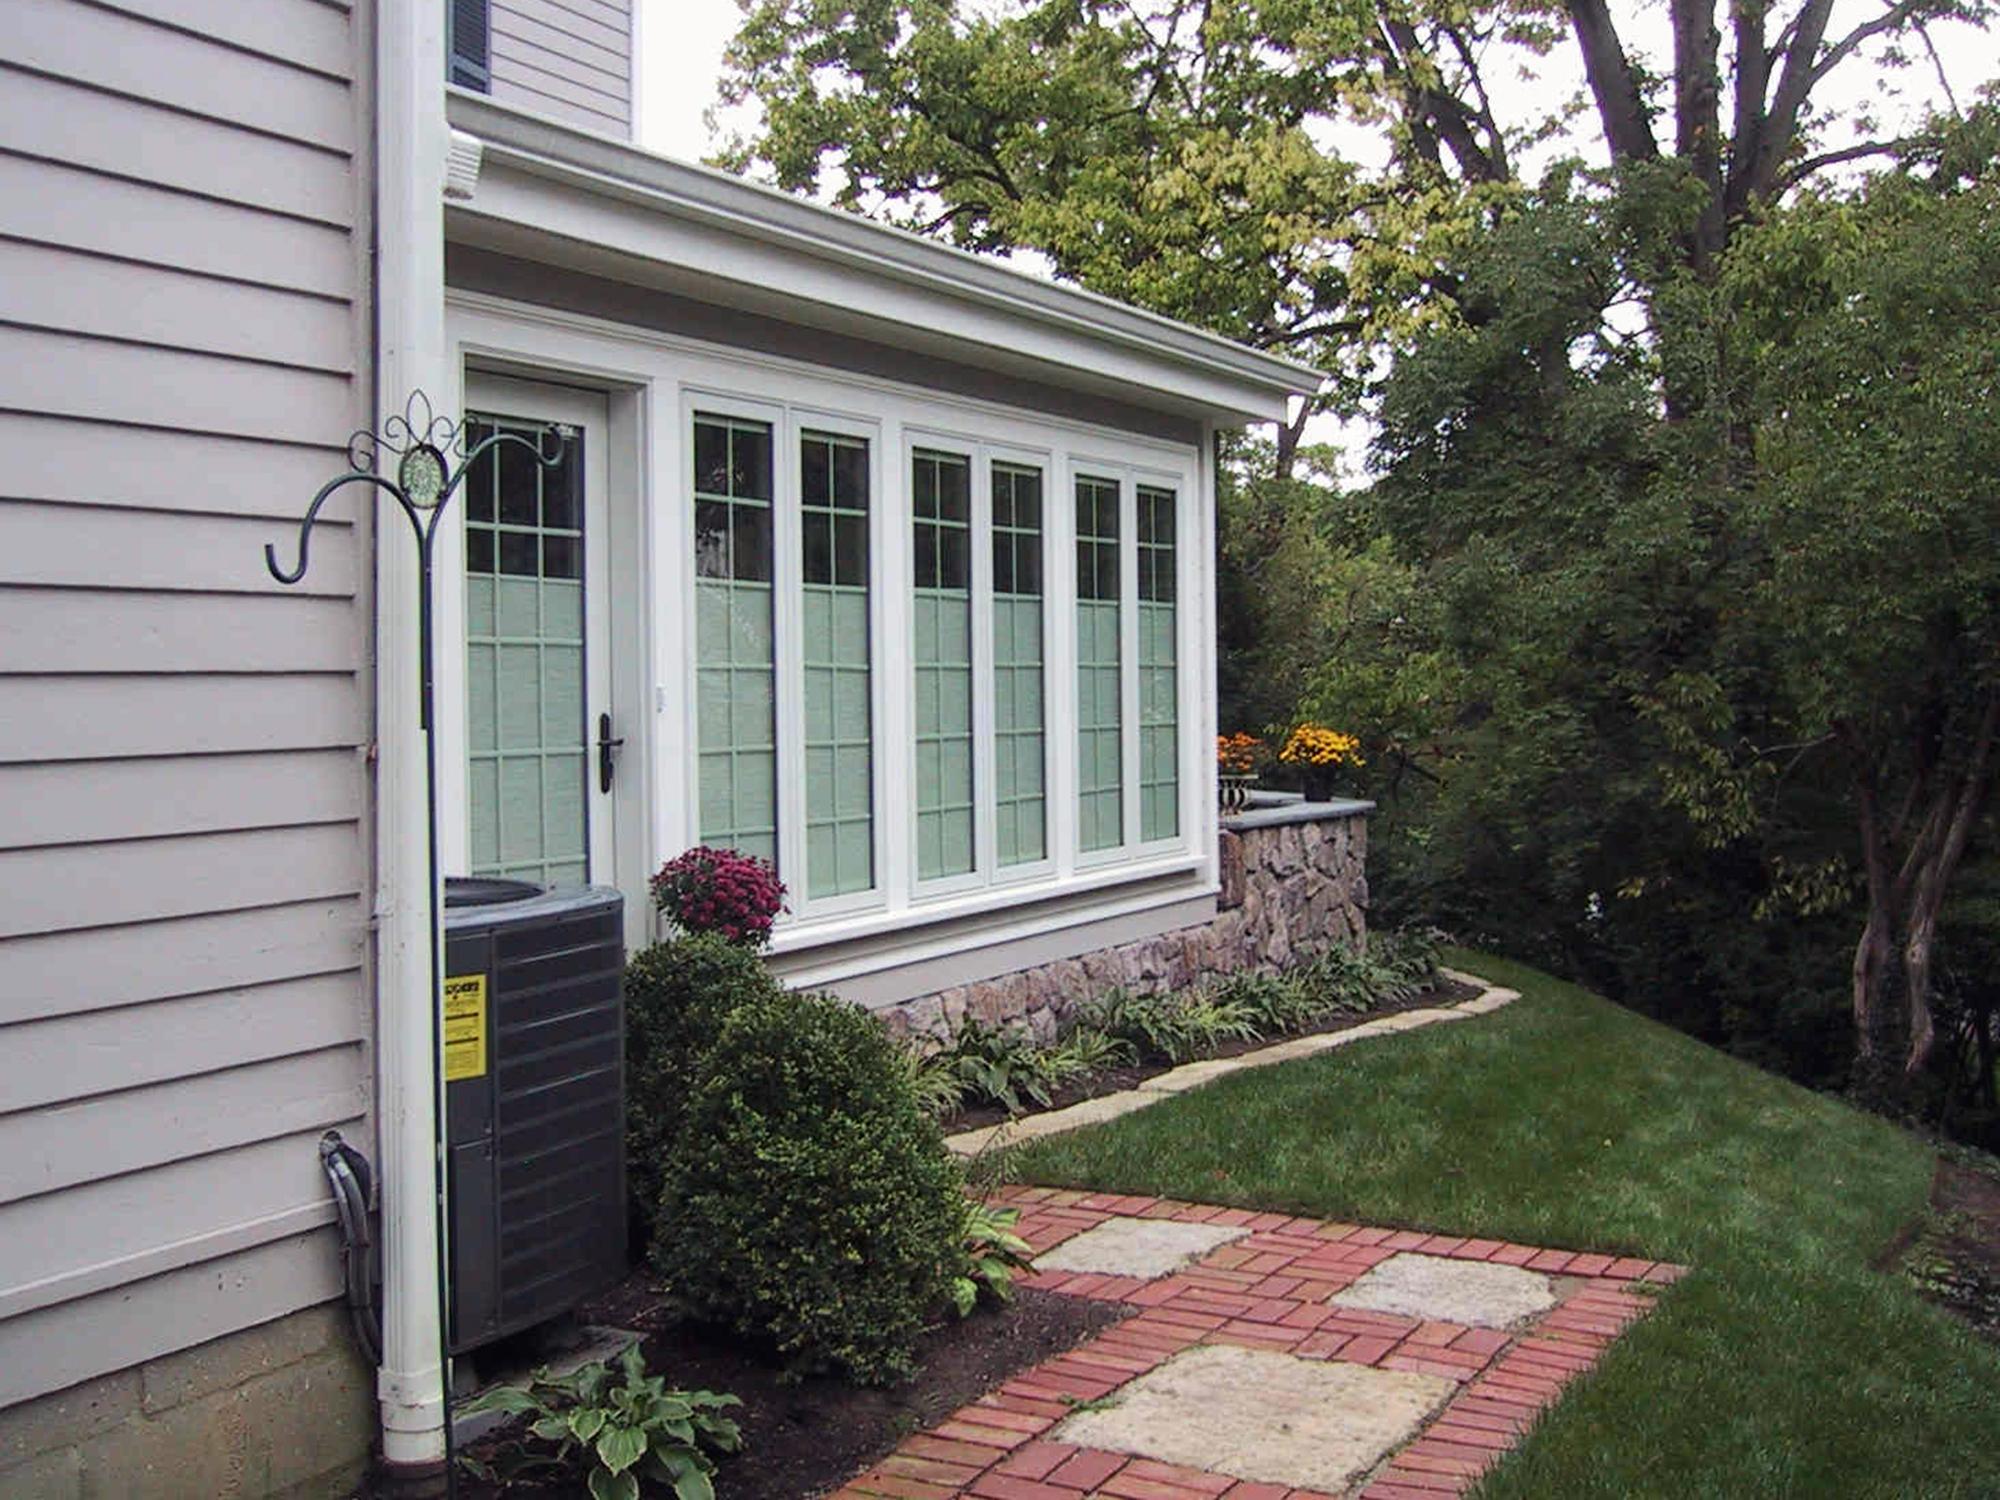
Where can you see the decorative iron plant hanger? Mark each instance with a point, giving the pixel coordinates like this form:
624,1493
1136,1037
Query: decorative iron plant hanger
431,462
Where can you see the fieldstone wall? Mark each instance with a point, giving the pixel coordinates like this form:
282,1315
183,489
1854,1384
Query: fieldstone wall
283,1409
1294,883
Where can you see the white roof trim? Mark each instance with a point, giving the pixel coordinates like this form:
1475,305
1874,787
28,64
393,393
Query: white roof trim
1145,350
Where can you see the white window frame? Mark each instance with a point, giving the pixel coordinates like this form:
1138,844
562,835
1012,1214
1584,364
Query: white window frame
675,376
986,872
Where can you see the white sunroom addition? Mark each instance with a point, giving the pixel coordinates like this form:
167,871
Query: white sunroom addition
889,565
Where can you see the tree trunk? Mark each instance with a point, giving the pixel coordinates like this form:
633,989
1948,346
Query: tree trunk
1871,953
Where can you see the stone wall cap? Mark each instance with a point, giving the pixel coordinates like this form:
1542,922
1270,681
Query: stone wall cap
1290,807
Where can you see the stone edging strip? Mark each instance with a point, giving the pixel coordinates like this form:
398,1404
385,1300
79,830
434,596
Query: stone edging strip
1195,1074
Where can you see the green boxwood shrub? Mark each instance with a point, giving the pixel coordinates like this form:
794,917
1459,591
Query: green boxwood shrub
677,995
811,1206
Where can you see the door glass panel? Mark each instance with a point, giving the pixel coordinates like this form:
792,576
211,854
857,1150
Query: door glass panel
526,728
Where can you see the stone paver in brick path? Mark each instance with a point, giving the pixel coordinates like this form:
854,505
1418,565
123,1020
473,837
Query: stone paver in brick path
1245,1374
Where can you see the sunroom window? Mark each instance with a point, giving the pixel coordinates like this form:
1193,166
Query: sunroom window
839,730
1099,690
1020,752
1159,671
733,635
941,503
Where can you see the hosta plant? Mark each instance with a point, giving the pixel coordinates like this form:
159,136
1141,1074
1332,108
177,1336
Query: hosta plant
617,1425
993,1253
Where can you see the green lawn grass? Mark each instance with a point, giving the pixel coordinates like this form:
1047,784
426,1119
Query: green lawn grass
1784,1366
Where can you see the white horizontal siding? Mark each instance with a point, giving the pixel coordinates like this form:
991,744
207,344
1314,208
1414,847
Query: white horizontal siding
184,313
123,137
142,1223
91,801
47,1149
105,885
121,53
84,547
54,1347
48,288
154,468
568,58
99,968
69,207
87,718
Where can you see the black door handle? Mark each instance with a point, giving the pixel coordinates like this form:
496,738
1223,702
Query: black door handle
607,747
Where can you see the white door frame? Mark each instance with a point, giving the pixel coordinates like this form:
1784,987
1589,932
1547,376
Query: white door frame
614,634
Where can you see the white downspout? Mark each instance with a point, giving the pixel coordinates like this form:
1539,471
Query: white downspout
410,149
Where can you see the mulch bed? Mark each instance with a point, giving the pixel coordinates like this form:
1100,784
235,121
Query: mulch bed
807,1437
1117,1080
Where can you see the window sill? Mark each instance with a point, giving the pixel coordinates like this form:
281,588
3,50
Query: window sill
804,937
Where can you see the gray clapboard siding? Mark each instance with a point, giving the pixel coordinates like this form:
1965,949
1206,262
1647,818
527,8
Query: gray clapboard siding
552,94
310,33
54,1347
183,914
101,968
76,1057
142,1223
87,718
90,630
128,138
73,208
62,374
602,53
570,61
86,546
154,468
107,885
124,54
67,802
44,1150
43,287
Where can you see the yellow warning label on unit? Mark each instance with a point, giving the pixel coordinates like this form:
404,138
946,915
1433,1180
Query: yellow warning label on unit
465,1027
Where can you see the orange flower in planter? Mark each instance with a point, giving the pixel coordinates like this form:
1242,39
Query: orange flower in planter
1236,754
1316,745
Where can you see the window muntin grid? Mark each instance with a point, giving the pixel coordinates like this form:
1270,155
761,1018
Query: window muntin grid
736,717
1099,660
1020,751
835,662
1159,705
526,733
941,508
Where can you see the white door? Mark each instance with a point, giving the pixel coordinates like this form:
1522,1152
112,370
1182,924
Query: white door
548,785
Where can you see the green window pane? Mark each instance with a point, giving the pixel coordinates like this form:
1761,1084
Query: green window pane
736,678
940,494
527,764
1020,811
1159,676
835,665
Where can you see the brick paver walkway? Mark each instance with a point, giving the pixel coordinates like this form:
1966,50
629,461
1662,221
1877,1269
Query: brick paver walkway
1267,1290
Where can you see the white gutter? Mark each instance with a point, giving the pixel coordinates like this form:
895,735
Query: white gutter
410,148
701,195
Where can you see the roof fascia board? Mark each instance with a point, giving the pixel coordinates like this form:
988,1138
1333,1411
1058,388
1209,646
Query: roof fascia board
599,168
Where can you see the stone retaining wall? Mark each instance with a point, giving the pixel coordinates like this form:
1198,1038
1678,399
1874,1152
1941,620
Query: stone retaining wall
1293,883
283,1409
